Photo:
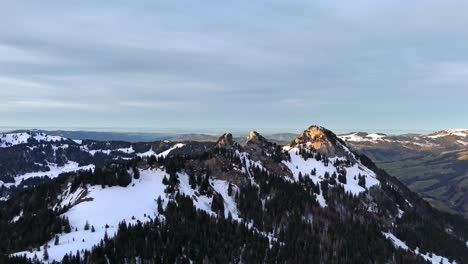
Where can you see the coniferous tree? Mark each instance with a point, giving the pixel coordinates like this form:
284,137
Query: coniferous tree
136,173
160,205
192,180
217,205
67,227
205,185
362,181
165,181
45,256
230,189
342,178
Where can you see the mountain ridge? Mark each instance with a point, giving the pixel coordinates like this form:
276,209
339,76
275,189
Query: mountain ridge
315,177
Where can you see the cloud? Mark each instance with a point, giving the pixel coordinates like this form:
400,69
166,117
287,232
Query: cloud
38,105
209,63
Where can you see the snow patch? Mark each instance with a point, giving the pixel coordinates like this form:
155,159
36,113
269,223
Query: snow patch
17,217
431,257
355,137
162,154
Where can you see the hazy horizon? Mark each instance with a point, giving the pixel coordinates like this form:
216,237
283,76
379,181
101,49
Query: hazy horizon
212,131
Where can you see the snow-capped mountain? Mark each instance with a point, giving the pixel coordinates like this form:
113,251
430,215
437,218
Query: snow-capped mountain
314,194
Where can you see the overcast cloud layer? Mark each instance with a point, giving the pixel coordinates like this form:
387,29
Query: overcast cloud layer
266,65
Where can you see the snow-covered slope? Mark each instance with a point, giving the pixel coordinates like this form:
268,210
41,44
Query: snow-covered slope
105,208
162,154
325,170
13,139
343,167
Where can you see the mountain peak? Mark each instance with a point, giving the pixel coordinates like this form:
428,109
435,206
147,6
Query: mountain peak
225,141
255,137
319,138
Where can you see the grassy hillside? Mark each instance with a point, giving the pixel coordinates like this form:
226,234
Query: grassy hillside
441,178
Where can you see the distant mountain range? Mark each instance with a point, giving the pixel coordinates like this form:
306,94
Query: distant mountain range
281,138
435,165
228,200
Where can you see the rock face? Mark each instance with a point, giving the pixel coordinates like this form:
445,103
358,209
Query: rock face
255,138
320,139
225,141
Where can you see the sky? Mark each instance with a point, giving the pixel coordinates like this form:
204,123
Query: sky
275,66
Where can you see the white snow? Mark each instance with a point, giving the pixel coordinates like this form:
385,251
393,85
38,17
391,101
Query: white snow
354,137
148,153
433,258
104,151
162,154
375,136
400,213
17,217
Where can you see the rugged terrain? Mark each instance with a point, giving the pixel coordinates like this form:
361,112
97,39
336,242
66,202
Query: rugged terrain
74,201
434,165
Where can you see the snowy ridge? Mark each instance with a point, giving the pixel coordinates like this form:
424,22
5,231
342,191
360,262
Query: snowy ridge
424,140
13,139
360,137
449,132
431,257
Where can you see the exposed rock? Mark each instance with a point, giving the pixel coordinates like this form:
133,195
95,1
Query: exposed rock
255,138
320,139
225,141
